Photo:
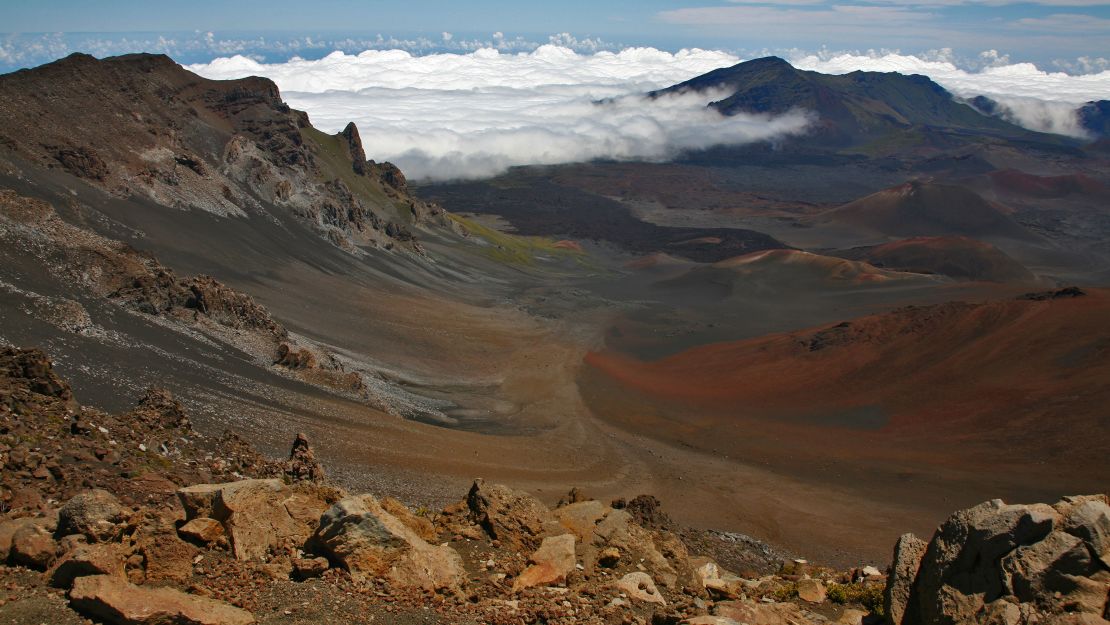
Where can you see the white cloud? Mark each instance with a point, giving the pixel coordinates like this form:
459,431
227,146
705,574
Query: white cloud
445,116
1030,97
471,115
998,78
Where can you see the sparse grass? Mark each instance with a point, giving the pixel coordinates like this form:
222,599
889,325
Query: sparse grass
870,596
513,249
336,162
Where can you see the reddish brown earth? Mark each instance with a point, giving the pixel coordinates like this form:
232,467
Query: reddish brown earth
1022,183
956,257
1003,396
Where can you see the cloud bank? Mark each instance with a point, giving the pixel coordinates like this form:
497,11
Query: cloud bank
464,115
447,116
1030,97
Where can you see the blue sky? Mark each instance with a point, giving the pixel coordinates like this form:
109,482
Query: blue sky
1042,32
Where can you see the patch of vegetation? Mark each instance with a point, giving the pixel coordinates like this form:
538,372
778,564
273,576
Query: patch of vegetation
336,163
870,596
511,248
785,592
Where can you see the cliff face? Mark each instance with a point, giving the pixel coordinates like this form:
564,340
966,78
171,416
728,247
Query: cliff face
143,125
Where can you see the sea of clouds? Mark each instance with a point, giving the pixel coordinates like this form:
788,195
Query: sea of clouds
467,115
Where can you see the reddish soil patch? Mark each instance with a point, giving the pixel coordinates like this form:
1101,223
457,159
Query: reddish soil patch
1021,183
977,397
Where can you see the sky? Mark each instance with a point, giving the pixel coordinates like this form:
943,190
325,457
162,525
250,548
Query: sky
1059,33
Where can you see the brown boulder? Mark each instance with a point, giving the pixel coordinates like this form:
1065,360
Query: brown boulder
811,591
258,516
96,514
116,601
581,518
358,534
202,530
98,559
512,517
160,551
422,526
550,564
33,544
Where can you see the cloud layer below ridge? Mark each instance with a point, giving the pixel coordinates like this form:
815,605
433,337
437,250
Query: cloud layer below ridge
444,116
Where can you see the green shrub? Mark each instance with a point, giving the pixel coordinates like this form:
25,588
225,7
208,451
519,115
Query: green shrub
870,596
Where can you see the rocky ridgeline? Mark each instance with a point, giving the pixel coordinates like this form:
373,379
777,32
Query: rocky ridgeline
137,519
142,125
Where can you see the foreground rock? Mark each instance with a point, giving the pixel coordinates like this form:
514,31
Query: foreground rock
96,514
509,516
1012,564
550,564
359,535
258,516
85,560
116,601
908,552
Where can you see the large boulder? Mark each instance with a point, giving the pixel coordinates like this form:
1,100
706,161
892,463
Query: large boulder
422,526
33,545
96,514
8,529
582,517
84,560
1013,564
114,600
359,535
908,552
258,516
550,564
514,518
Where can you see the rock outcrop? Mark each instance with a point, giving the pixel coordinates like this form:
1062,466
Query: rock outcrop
550,564
302,465
258,516
509,516
95,514
908,552
359,535
116,601
1013,564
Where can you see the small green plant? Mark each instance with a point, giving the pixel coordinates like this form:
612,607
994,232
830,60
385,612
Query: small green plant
785,592
870,596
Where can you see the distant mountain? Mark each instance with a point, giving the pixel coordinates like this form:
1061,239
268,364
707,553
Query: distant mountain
857,108
1094,117
957,257
929,209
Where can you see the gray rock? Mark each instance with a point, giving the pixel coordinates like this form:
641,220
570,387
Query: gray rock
908,552
96,514
358,534
1007,564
